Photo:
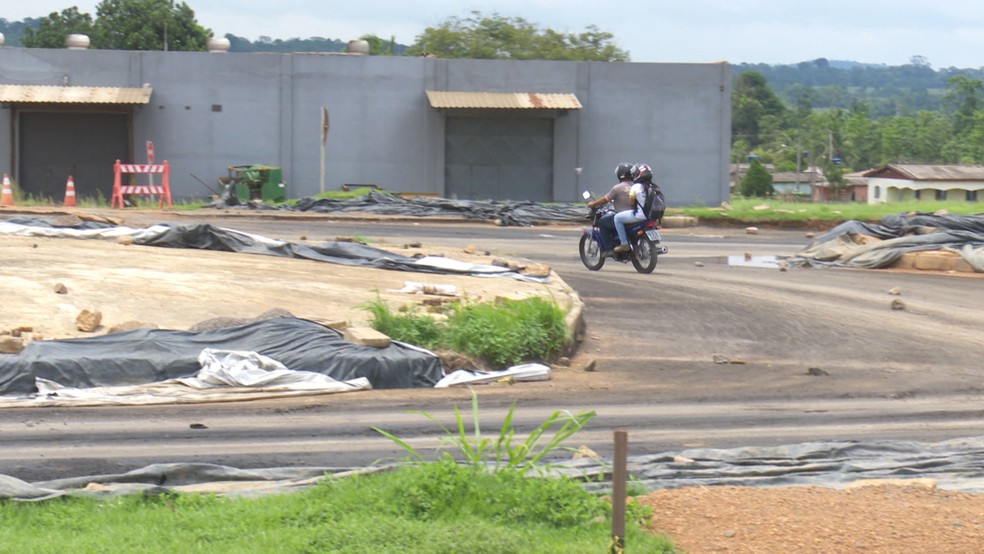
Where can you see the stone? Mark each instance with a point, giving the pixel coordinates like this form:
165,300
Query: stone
589,366
11,345
895,291
470,249
584,452
898,304
536,270
499,262
60,289
366,336
751,230
130,326
816,372
699,264
783,266
88,320
125,240
810,235
564,361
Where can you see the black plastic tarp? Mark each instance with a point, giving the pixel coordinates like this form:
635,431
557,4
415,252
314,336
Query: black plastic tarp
151,355
210,237
517,213
956,464
897,234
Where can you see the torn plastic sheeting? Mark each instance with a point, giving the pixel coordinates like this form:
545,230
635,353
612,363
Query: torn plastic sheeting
955,464
210,237
518,213
225,376
33,227
524,372
898,235
145,356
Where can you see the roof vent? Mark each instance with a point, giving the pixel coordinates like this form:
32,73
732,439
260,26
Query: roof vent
218,45
77,42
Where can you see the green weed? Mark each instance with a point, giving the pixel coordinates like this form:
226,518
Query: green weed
502,452
503,334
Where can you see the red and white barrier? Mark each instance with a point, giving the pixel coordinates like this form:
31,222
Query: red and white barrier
162,190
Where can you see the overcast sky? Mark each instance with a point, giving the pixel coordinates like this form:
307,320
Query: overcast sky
947,33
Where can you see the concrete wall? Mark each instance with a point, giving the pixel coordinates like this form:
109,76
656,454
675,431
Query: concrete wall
209,111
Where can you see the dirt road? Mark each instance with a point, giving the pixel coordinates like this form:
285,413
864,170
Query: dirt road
911,373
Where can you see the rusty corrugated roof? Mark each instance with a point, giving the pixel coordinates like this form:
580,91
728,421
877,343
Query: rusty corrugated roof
45,94
915,172
503,100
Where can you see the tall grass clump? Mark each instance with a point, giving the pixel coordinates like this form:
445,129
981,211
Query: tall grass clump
405,325
508,332
503,333
502,452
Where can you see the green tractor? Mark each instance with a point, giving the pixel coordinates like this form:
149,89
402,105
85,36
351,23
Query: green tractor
247,183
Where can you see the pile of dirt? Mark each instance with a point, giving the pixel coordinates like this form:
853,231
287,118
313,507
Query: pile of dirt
870,519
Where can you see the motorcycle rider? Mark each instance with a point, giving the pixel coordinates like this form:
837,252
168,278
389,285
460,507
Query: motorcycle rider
642,175
619,197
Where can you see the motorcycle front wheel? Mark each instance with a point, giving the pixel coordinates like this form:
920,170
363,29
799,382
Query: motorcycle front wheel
644,256
590,252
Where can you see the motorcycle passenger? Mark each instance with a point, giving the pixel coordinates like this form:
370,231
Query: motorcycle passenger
619,197
642,175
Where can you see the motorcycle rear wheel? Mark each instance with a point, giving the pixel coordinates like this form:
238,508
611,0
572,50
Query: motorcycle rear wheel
644,256
590,252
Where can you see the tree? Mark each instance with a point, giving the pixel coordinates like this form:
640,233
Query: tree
378,46
757,182
751,100
148,25
962,99
53,29
498,37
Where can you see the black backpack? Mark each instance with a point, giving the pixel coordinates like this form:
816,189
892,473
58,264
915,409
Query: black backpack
655,205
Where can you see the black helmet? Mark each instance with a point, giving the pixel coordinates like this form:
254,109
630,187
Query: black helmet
623,171
642,173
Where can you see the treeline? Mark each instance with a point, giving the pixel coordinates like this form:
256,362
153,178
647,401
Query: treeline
313,44
13,31
802,134
887,90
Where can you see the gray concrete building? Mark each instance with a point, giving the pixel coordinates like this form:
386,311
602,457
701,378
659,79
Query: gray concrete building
470,129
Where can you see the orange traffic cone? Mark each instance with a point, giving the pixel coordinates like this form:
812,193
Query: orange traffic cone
7,199
70,193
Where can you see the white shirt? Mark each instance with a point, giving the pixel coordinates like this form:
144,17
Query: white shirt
638,190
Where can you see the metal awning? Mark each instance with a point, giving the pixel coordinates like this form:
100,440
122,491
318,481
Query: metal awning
45,94
503,100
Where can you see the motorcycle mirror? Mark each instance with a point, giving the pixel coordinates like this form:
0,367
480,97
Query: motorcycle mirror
586,195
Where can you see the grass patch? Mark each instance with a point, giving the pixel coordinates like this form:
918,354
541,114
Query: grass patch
503,334
433,508
743,210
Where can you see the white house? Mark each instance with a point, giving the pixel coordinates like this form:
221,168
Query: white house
903,183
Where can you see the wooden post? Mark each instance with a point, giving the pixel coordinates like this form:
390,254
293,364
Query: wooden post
619,477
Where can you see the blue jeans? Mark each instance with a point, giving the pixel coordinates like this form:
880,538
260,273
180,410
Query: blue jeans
622,219
607,226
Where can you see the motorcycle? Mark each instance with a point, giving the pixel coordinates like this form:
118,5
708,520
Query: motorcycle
644,239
